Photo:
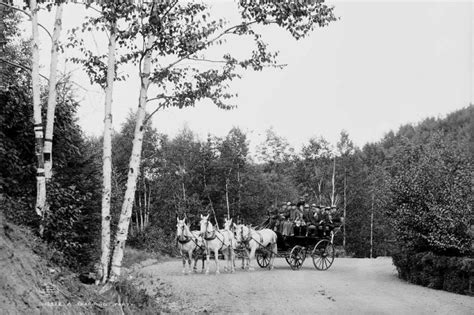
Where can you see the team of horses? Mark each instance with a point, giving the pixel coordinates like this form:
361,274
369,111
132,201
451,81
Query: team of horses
211,240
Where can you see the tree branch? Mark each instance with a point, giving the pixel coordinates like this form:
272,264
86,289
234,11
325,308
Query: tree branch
205,45
29,15
207,60
11,63
224,61
169,9
89,6
152,113
159,97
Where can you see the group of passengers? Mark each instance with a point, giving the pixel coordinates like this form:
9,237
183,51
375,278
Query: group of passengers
302,219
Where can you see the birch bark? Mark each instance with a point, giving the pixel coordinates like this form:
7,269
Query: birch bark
107,157
124,221
48,139
38,124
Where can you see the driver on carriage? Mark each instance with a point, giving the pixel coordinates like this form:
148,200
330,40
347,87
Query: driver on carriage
331,219
311,222
273,218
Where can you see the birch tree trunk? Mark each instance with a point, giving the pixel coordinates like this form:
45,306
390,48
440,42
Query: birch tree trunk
333,200
107,157
145,201
134,231
38,124
123,225
3,41
184,191
140,211
239,194
345,206
147,217
48,139
372,228
227,197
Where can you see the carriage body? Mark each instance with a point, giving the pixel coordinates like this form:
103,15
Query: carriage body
295,249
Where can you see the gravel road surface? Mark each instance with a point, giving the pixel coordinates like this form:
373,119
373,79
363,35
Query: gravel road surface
350,286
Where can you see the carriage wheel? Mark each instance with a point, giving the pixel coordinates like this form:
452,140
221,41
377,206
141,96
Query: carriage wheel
323,255
296,257
264,256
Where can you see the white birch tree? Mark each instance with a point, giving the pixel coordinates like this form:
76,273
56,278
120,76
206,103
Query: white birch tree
37,120
48,139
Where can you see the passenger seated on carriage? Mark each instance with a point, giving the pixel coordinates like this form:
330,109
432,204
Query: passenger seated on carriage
327,221
273,218
306,219
319,218
299,229
283,213
336,219
295,213
287,224
311,222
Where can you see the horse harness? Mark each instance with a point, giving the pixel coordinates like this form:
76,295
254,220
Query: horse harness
214,236
184,239
246,242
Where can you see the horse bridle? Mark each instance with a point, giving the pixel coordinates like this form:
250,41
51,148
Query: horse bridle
250,237
213,232
242,239
183,239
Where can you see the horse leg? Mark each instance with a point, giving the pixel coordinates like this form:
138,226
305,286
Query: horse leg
184,263
232,259
195,263
216,258
251,257
226,258
190,257
208,254
244,257
274,253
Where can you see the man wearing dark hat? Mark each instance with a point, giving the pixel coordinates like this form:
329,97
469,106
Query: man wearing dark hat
335,218
311,221
273,217
320,217
327,221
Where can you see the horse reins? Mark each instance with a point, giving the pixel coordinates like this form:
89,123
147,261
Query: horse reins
214,235
250,237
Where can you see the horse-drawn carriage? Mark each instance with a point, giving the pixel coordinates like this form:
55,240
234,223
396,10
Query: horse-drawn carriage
263,245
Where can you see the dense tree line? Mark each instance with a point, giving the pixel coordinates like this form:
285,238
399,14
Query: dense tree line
188,176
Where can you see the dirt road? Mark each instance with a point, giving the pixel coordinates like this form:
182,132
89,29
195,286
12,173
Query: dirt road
350,286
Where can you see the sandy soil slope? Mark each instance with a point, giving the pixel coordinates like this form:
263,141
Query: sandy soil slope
350,286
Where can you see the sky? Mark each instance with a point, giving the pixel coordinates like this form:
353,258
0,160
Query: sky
381,65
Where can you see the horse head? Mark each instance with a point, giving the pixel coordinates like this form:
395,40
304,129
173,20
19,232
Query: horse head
181,228
205,225
228,225
242,233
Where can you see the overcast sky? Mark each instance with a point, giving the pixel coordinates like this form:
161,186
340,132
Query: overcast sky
381,65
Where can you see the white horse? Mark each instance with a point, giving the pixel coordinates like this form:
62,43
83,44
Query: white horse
238,246
188,243
252,240
218,240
